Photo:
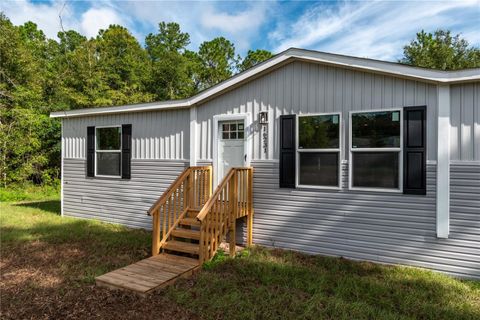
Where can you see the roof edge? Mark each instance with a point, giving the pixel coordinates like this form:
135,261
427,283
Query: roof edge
364,64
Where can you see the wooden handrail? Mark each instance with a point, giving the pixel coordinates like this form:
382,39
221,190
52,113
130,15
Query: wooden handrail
201,215
174,185
232,199
189,191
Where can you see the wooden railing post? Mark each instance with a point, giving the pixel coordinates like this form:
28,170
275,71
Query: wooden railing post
191,199
233,205
156,234
210,181
250,207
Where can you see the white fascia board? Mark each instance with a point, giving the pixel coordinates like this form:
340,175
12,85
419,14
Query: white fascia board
443,162
387,67
290,54
164,105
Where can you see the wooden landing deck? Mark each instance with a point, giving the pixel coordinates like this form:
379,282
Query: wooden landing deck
149,274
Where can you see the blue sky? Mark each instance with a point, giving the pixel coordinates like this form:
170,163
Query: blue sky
374,29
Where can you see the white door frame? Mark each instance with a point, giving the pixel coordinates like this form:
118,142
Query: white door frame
247,118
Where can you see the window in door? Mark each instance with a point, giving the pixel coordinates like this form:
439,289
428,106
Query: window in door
232,130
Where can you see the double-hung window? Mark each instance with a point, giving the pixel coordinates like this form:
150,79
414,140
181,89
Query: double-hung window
376,149
108,149
318,150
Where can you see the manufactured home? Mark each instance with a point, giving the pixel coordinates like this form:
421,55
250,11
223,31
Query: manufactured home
309,151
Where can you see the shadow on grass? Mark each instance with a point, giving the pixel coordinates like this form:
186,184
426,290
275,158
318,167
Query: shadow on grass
323,288
52,206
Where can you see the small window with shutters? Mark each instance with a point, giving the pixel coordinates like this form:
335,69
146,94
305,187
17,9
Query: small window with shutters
109,151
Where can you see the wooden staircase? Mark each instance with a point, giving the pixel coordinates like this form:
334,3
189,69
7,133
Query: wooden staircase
189,224
189,220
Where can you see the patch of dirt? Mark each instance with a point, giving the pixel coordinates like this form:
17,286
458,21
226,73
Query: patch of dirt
43,281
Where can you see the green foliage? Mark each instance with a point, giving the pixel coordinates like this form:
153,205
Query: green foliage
170,62
253,58
30,192
217,60
218,258
441,50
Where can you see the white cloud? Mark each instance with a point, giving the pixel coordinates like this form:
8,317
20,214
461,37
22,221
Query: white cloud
240,26
202,20
45,15
95,19
374,29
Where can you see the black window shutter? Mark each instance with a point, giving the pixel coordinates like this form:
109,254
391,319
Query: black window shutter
90,151
287,151
414,150
126,150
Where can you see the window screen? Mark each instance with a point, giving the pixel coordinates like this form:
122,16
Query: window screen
318,168
375,169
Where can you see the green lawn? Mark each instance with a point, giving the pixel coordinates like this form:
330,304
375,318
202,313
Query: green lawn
51,262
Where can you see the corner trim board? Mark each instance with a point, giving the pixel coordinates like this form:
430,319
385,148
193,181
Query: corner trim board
443,162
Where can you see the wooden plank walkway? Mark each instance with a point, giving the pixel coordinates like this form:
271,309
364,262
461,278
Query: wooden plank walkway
149,274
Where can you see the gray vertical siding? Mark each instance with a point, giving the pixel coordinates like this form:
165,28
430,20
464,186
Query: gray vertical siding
117,200
381,227
155,135
302,87
465,121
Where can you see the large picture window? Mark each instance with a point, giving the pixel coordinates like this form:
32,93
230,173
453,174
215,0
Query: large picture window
375,149
318,148
108,149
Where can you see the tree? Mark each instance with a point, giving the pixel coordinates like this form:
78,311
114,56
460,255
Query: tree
170,62
22,125
440,50
123,66
253,58
218,61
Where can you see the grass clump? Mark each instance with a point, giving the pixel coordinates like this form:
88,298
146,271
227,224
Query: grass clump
30,192
273,284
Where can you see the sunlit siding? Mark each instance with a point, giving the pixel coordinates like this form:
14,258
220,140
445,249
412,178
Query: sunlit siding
302,87
156,135
465,122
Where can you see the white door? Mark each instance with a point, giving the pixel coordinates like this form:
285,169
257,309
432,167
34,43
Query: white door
231,147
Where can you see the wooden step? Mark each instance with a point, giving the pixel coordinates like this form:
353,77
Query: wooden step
191,213
190,222
180,246
186,233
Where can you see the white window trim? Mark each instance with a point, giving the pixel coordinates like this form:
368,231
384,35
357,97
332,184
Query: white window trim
339,150
108,151
399,150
